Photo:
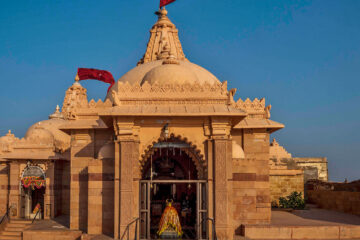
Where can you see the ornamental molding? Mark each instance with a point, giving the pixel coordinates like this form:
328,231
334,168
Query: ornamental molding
156,93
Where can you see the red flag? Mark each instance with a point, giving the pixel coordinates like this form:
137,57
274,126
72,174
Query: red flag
165,2
101,75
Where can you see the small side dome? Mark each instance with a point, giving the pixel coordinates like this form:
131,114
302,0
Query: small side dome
8,138
170,72
39,135
237,151
60,139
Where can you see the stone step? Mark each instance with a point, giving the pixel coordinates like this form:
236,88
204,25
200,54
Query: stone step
10,237
16,225
9,233
13,229
20,221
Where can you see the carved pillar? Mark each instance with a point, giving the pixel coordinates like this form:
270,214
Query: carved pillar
14,193
210,179
222,165
49,197
4,186
126,154
125,200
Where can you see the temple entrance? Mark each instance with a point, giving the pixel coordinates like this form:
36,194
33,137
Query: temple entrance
173,198
32,192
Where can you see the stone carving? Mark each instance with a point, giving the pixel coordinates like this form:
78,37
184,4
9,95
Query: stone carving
267,111
163,35
75,97
155,93
100,103
116,98
231,96
252,107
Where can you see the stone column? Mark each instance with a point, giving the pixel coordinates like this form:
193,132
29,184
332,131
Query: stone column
14,187
222,168
49,197
210,179
4,182
124,199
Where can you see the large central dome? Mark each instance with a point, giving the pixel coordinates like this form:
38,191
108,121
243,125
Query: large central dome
164,60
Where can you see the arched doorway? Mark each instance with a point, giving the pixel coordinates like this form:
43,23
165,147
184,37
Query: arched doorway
32,192
173,172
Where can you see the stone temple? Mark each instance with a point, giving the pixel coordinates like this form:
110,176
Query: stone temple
168,129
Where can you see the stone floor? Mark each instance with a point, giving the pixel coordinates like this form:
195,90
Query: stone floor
313,216
313,223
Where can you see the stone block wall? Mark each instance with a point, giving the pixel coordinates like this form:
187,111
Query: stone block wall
343,201
283,182
344,197
82,151
251,193
4,186
314,168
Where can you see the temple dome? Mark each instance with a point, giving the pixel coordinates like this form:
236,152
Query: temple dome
164,43
137,74
40,135
170,73
48,132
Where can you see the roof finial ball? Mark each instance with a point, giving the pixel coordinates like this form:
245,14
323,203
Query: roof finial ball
162,12
77,79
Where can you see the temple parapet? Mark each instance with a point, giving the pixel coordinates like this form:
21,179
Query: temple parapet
156,93
255,108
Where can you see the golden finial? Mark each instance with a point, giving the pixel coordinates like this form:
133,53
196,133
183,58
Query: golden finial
77,78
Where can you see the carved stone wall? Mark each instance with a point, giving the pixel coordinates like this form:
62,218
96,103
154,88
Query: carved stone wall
4,178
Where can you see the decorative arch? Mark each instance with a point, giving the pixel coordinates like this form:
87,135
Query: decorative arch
193,152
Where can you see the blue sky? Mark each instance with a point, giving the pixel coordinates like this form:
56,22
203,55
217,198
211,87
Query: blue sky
302,56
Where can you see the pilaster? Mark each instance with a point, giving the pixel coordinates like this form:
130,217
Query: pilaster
14,185
222,165
49,197
126,155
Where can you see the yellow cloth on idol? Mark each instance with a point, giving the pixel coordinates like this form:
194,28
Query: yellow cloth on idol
170,220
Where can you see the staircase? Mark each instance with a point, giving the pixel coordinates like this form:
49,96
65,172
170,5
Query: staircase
13,230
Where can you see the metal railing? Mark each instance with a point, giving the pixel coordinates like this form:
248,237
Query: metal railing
6,216
39,210
127,230
214,237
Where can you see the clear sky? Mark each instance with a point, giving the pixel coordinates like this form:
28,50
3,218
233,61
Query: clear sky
302,56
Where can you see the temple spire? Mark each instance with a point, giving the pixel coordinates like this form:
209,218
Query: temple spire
163,35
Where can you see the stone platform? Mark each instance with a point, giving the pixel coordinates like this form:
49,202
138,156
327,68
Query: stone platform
306,224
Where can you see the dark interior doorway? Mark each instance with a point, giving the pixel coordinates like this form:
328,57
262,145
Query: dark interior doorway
171,175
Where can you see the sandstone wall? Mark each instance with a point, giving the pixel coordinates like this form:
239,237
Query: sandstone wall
343,201
251,193
344,197
284,182
314,168
4,186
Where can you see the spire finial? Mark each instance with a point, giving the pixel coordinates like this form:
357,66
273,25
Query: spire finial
57,114
77,78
